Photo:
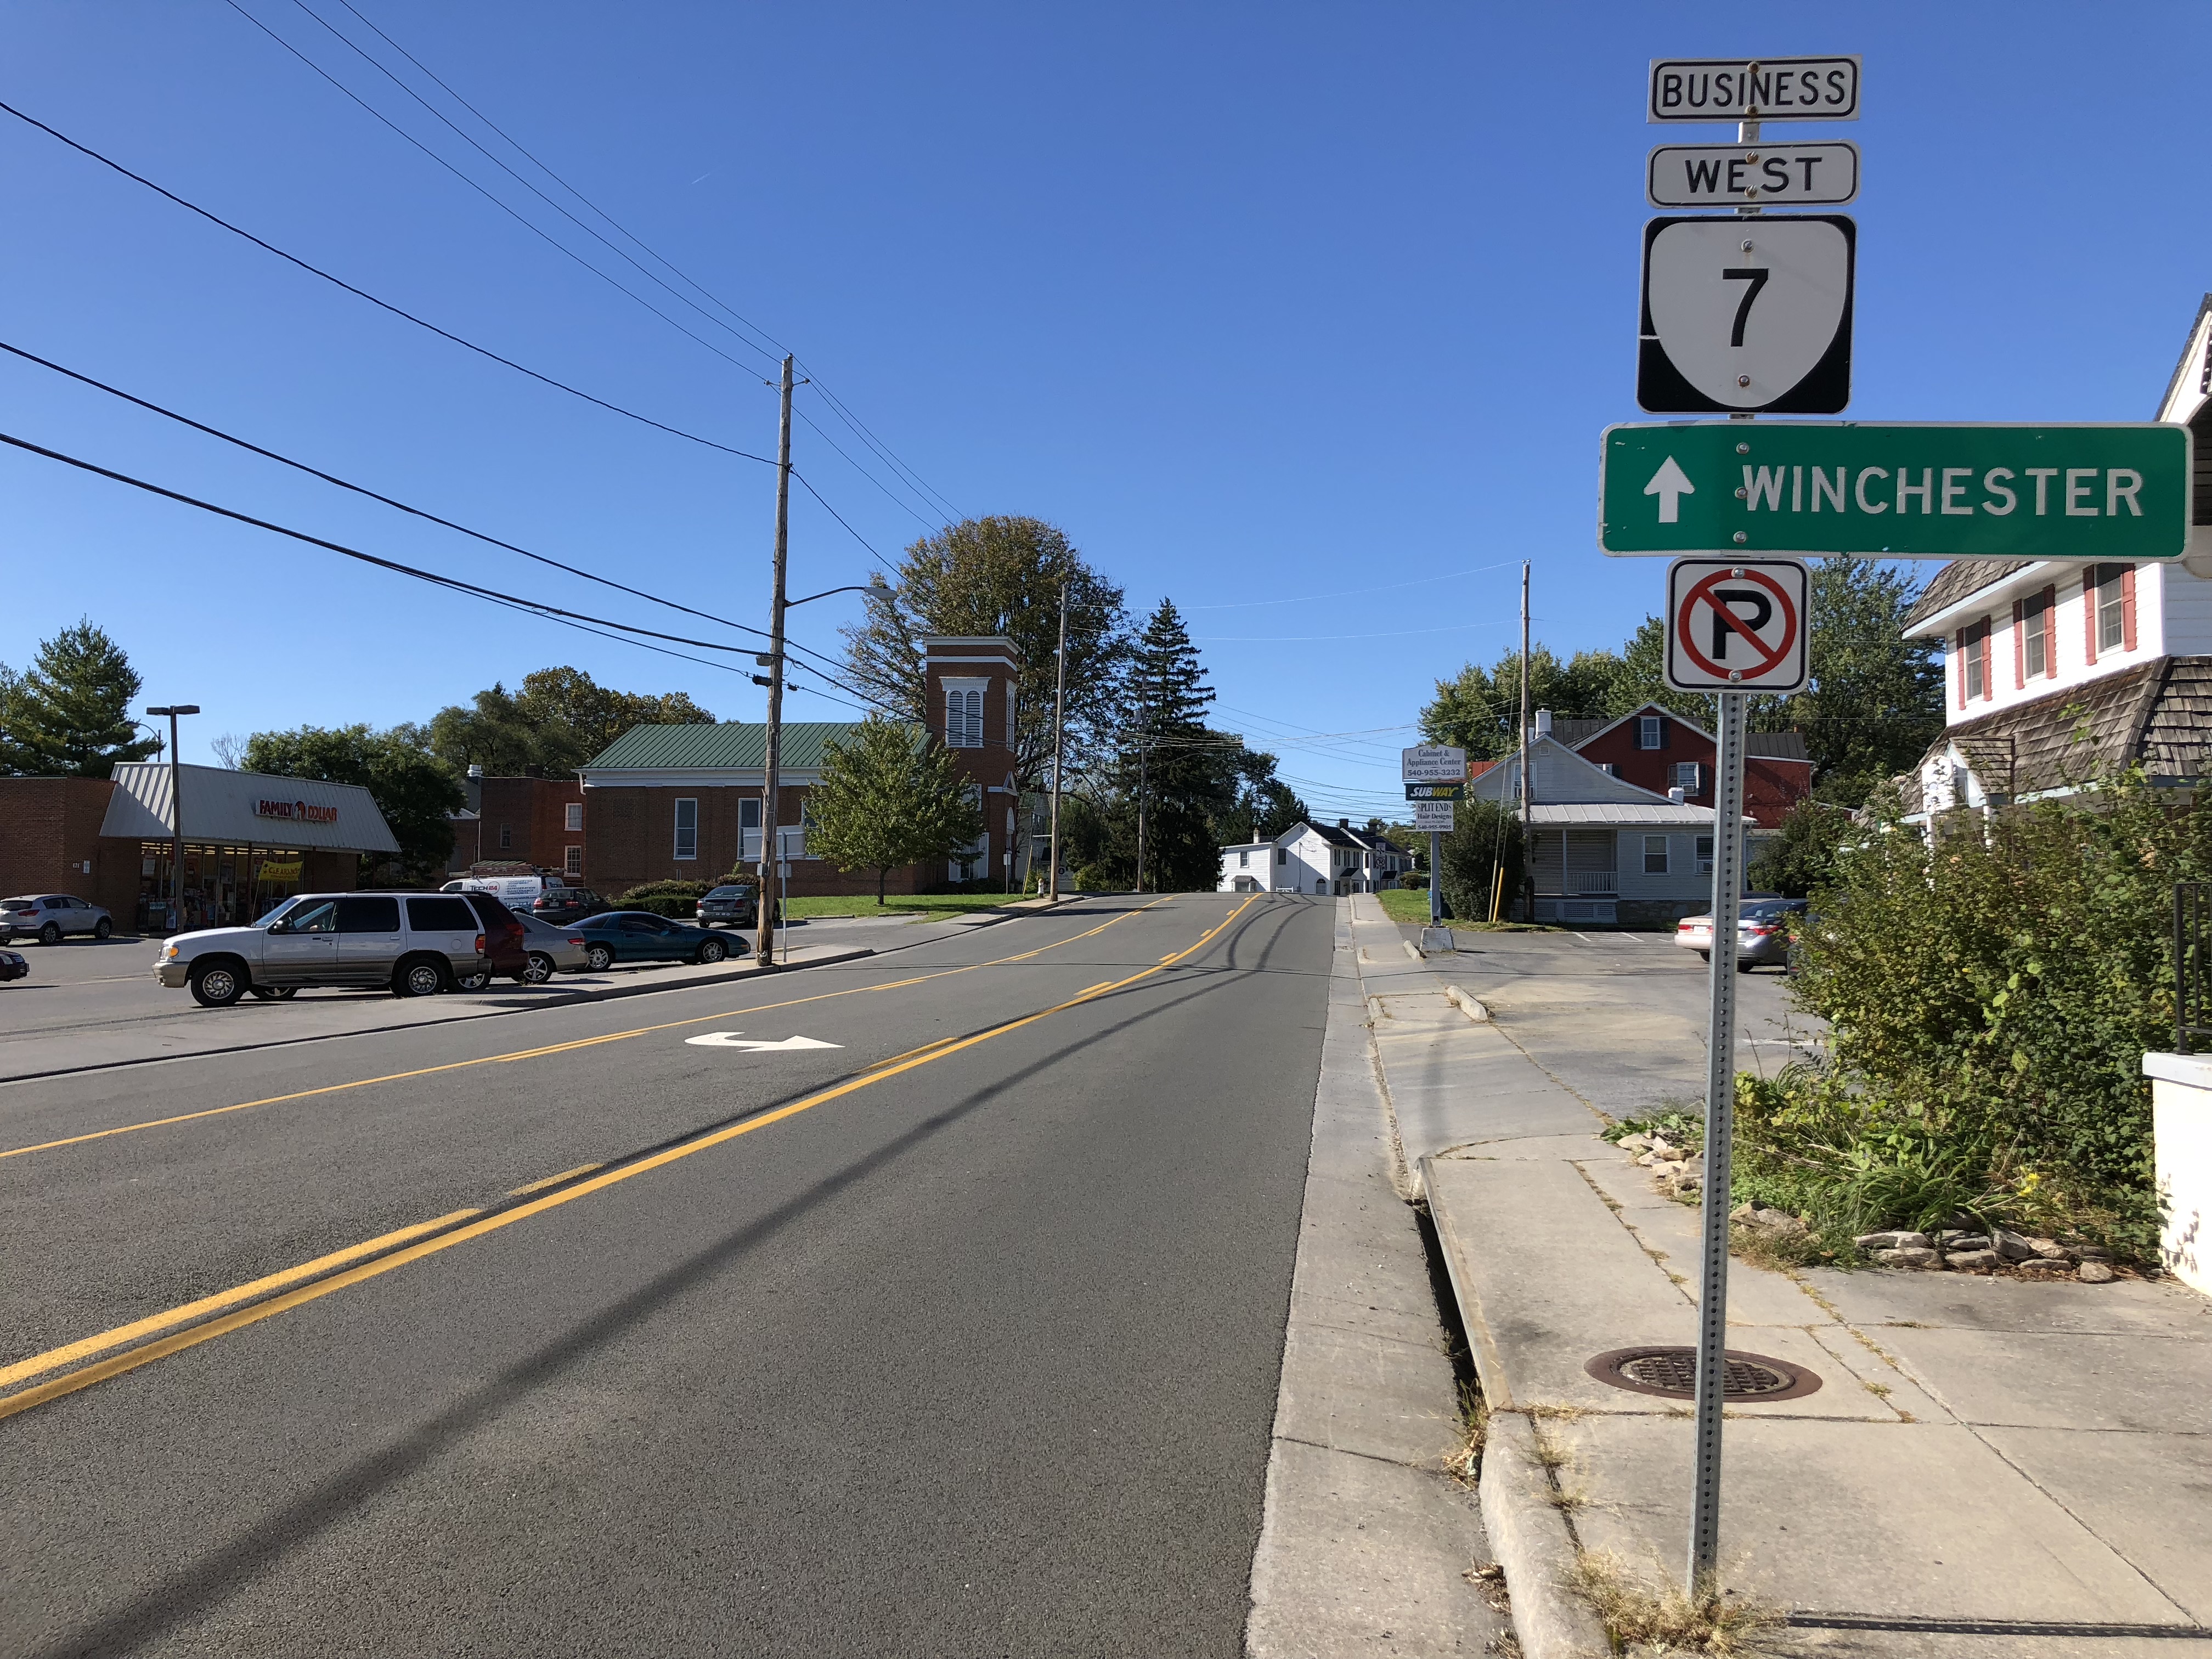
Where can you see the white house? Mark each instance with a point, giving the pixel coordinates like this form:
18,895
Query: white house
2054,672
1604,851
1326,858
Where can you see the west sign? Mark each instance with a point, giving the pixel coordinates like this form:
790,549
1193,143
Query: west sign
2082,493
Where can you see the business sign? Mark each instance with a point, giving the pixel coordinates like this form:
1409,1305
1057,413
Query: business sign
1435,764
2084,493
1754,89
1436,792
1433,817
1752,175
295,811
1737,625
1746,315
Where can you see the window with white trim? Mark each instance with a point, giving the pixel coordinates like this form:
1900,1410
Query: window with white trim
687,828
1608,768
1705,855
1243,860
1650,732
1282,855
1685,776
1655,856
749,834
575,817
574,863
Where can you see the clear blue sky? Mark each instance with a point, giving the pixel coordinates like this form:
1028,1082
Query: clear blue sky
1257,302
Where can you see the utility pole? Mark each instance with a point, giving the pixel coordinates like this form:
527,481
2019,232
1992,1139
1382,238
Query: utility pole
1528,833
764,935
1142,754
1058,732
176,814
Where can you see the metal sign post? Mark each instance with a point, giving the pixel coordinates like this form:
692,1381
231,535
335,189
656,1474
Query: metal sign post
1720,1130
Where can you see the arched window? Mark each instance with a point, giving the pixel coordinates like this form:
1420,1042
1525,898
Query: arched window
964,718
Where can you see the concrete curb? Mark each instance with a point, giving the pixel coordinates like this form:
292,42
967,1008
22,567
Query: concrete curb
574,998
1528,1534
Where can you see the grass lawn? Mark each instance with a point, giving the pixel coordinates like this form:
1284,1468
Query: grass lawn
1401,904
916,904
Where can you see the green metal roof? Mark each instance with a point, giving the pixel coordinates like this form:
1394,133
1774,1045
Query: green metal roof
739,744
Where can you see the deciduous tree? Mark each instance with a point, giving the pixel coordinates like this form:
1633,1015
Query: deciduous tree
889,798
416,793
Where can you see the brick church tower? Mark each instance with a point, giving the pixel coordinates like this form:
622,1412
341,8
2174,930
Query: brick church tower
969,685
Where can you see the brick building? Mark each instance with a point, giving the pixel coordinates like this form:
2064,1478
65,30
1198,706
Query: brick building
683,803
534,821
250,840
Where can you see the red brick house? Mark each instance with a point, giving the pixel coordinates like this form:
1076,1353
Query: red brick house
683,803
1656,748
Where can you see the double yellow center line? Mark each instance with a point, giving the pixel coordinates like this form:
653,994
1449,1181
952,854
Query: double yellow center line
332,1272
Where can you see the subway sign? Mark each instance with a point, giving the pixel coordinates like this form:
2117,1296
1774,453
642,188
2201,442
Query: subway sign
2090,493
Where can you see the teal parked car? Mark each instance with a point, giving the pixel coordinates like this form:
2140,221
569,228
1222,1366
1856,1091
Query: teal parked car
640,936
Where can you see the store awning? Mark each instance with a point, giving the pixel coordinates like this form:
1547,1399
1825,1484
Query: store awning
246,809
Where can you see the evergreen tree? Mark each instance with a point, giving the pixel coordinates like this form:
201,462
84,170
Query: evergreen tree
1184,776
890,798
70,716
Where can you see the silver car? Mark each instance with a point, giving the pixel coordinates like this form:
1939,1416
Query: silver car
1764,930
416,944
50,917
552,949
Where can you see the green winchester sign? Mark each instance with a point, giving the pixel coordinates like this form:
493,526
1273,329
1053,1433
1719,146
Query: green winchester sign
1903,491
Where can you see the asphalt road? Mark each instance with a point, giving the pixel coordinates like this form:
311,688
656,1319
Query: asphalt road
958,1338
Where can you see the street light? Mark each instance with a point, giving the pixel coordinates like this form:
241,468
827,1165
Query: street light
176,811
771,843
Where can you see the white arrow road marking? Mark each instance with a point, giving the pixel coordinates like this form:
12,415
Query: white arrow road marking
1671,484
738,1039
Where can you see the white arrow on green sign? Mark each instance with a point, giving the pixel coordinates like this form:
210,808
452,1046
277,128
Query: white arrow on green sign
1899,491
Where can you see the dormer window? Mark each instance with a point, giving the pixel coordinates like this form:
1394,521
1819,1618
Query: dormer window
1650,732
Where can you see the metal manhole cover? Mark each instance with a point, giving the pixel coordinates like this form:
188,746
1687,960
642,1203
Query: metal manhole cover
1672,1374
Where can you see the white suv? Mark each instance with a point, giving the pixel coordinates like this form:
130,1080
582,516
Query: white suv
414,944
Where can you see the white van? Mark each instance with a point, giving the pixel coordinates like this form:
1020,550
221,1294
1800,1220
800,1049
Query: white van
516,892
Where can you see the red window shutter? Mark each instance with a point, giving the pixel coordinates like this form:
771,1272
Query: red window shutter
2019,650
2051,632
1961,654
2089,616
2128,609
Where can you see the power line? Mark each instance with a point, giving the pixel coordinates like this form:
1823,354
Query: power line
381,305
536,607
747,327
472,184
420,512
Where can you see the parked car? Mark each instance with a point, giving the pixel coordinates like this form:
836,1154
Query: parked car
503,944
49,917
640,936
414,944
13,966
730,906
1764,928
563,905
510,889
549,950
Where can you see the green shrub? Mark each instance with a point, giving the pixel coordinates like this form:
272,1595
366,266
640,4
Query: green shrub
1990,989
677,900
1485,836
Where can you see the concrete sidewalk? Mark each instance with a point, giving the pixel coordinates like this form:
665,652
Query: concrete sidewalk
1988,1467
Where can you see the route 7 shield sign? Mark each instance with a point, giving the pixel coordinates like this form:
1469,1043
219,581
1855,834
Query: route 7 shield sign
1737,625
1746,314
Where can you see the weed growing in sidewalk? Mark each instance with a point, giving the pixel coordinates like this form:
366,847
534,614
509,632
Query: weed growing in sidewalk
1465,1463
1635,1609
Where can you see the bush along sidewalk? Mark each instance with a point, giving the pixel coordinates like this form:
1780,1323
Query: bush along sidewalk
1990,987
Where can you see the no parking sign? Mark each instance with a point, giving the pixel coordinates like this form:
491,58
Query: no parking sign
1737,624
